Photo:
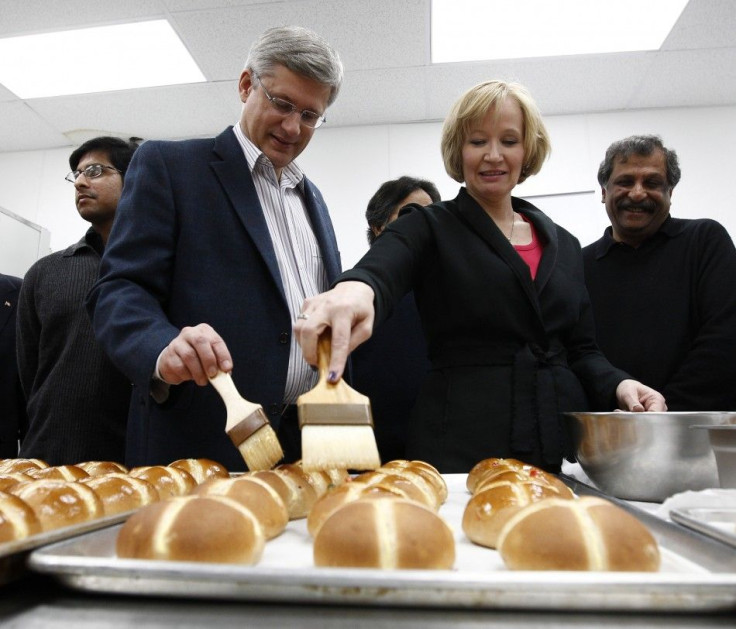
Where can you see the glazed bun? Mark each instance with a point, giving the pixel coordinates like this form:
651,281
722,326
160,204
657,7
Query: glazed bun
254,494
302,494
425,470
201,469
121,492
17,519
59,472
337,497
100,468
583,534
168,481
9,466
386,533
490,508
193,528
491,470
7,481
410,486
277,483
59,503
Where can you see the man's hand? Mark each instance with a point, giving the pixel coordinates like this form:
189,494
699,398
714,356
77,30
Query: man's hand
637,397
195,354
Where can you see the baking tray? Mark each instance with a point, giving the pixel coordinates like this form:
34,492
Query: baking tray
13,555
286,574
717,523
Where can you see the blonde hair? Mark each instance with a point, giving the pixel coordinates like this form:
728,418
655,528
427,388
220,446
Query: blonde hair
473,106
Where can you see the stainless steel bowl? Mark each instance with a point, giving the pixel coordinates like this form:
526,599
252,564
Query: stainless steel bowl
723,441
646,456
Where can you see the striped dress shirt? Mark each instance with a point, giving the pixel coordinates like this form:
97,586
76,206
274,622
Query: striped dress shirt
298,254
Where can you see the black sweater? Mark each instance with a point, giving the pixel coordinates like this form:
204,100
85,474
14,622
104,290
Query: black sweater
666,311
77,401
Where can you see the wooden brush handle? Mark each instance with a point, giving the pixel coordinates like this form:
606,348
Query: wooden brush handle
324,352
237,407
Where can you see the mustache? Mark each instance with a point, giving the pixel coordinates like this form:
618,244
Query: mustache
647,205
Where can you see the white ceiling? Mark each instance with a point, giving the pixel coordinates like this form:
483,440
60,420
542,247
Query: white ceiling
384,45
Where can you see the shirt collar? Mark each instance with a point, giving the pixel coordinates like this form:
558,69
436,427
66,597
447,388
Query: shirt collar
669,229
90,240
291,174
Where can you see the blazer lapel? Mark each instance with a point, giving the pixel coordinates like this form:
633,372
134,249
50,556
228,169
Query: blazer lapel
484,226
547,234
323,230
234,176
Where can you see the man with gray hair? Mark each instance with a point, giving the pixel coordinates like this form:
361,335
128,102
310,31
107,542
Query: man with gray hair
219,242
662,287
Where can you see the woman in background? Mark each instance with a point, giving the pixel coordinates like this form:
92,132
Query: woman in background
501,294
390,367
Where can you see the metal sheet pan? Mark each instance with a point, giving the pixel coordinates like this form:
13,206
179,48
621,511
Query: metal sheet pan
719,524
479,580
13,555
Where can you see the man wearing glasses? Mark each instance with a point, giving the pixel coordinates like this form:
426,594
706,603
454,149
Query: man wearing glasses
217,244
77,401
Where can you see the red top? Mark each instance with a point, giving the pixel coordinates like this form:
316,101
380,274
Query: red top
531,253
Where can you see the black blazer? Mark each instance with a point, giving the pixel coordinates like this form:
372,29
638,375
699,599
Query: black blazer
508,353
190,245
12,401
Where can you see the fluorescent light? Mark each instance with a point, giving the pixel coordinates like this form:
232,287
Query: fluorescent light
98,59
468,30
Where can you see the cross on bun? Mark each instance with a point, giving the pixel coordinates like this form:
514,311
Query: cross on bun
8,466
411,487
169,481
386,533
11,479
17,519
121,492
423,469
59,472
490,508
337,497
254,494
302,494
59,503
584,534
201,469
193,528
100,468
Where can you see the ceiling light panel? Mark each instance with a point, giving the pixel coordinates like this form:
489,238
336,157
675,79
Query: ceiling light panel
471,30
98,59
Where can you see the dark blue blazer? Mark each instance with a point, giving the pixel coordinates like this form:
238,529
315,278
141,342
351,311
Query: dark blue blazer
190,245
12,401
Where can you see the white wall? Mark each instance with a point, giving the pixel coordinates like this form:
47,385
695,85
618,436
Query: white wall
349,163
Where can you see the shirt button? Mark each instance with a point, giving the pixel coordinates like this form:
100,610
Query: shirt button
284,338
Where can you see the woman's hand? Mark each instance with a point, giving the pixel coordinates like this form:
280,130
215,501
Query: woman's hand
348,311
637,397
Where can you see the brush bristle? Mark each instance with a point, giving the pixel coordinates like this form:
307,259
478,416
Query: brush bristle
262,450
327,447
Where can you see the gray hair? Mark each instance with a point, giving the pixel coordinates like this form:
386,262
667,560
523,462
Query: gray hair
643,145
301,51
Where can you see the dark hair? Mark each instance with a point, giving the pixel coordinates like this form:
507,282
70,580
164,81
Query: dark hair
118,151
383,203
643,145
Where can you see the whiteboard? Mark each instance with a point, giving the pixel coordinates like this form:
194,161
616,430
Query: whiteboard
21,243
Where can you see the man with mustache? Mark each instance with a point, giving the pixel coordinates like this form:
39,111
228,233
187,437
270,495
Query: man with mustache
77,401
662,287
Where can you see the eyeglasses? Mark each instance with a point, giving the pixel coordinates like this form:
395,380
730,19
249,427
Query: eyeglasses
91,172
285,108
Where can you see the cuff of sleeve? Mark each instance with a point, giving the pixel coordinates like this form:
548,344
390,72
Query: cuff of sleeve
159,389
